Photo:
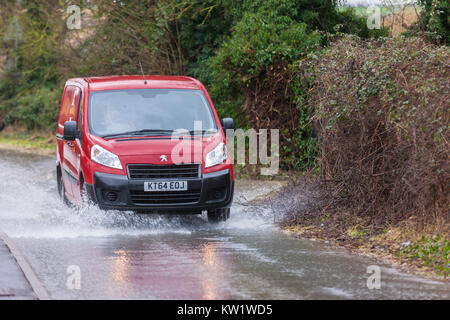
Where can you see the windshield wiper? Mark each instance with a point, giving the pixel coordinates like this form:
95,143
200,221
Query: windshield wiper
202,132
139,133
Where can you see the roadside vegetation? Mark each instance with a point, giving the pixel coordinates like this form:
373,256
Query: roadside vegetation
363,113
35,141
382,118
239,49
429,251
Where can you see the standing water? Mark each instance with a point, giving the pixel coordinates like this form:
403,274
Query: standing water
123,255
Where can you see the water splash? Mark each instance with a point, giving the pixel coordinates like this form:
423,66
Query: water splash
31,208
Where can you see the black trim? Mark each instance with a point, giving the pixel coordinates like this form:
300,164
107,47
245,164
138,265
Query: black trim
162,167
206,185
90,192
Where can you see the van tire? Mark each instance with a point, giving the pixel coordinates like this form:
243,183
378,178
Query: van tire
61,188
85,199
218,215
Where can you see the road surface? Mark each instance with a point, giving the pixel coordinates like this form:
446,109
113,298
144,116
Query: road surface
92,254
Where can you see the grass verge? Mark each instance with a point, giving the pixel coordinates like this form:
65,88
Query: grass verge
39,142
422,253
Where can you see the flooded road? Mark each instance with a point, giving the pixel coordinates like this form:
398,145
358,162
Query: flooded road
121,255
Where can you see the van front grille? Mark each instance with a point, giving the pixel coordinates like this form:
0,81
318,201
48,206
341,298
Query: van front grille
152,171
173,197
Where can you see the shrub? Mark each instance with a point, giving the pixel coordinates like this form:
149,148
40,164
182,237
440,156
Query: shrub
39,108
435,19
27,87
383,118
253,64
251,74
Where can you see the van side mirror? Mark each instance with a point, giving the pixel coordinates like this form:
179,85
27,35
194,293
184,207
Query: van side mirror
227,123
70,131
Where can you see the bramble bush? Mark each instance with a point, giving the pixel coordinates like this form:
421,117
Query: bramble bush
383,123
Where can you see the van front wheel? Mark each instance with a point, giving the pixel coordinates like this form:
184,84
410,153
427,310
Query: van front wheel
61,188
218,215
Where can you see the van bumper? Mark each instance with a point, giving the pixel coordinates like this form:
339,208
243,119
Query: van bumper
211,191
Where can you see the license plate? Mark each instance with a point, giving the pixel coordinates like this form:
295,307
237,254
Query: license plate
165,186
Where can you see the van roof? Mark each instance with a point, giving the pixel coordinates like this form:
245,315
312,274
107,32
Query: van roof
137,82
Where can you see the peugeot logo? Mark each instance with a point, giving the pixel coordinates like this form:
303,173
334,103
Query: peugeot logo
163,158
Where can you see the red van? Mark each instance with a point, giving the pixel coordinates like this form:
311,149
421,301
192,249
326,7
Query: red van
144,143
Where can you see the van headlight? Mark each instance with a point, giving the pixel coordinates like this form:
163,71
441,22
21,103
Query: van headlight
218,155
105,158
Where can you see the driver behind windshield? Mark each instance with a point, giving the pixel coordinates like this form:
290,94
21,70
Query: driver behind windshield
116,119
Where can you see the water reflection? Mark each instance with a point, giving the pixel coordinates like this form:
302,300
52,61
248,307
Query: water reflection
213,270
165,269
119,269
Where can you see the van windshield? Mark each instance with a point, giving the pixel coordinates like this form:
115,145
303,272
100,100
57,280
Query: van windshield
149,111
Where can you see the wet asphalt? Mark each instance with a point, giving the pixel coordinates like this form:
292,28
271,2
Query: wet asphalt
123,255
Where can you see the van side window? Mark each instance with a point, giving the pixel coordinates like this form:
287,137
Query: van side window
73,108
80,113
65,105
